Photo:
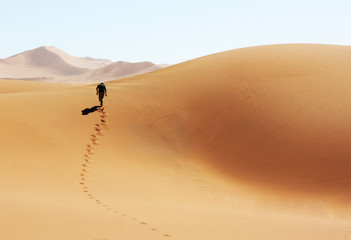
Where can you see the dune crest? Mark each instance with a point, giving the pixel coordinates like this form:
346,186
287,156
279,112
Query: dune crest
81,62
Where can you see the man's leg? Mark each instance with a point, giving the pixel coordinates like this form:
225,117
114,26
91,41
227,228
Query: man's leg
101,97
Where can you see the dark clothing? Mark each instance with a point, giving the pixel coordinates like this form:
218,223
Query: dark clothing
101,88
101,92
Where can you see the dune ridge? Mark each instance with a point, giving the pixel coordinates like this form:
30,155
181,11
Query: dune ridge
81,62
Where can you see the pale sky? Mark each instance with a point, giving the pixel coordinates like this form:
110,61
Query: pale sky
164,31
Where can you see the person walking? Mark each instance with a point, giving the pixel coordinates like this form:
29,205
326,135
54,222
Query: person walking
101,92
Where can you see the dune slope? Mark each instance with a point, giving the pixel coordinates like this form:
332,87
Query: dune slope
275,114
242,144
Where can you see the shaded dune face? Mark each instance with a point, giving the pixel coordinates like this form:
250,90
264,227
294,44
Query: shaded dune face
275,116
280,119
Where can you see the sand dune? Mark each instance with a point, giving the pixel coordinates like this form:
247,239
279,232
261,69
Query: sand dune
53,65
113,71
246,144
44,56
81,62
40,62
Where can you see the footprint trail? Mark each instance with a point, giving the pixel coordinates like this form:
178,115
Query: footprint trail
88,163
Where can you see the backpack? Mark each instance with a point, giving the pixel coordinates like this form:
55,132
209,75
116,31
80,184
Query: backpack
101,87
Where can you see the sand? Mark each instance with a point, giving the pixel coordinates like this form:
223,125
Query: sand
251,143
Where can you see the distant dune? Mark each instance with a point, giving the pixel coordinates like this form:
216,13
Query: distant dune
81,62
251,143
37,63
164,65
113,71
54,65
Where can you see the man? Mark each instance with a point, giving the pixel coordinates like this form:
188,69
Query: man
101,91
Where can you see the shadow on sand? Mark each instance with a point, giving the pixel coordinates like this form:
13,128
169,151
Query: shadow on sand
90,110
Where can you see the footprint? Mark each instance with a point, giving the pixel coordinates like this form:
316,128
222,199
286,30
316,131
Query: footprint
106,126
93,141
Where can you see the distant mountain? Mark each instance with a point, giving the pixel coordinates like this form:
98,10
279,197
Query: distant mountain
52,64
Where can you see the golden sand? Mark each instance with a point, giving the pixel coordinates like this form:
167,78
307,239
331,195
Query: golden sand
251,143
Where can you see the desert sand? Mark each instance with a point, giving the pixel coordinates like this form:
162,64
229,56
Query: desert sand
251,144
